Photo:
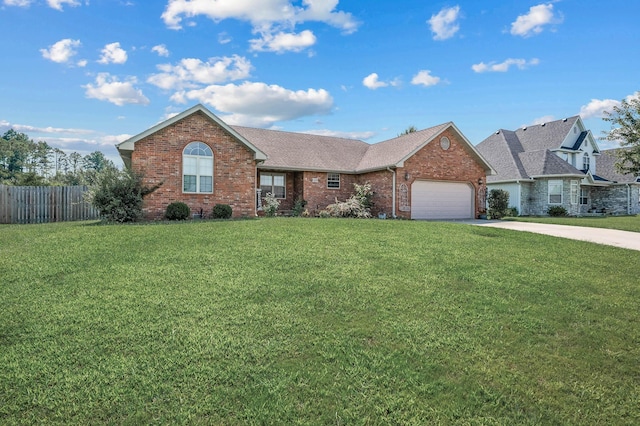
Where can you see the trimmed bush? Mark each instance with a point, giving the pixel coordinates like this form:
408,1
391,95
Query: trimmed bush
358,205
557,211
177,211
498,203
221,211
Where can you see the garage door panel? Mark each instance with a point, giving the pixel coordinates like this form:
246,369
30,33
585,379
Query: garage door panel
441,200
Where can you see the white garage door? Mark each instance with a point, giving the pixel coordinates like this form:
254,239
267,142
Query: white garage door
441,200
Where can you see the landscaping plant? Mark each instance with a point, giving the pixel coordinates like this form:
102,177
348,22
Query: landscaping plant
221,211
177,211
118,195
498,203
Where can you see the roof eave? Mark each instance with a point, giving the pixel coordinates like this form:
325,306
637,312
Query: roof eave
129,144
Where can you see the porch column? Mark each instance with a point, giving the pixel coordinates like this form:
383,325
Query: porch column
259,201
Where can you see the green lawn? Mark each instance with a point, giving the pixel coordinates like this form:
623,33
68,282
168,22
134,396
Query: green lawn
624,223
309,321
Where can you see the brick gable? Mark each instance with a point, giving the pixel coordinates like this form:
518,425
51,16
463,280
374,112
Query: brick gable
159,157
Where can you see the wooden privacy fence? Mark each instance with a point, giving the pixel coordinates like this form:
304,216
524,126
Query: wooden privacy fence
41,204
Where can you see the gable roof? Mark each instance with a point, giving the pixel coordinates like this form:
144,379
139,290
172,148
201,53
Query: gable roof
303,151
125,148
528,152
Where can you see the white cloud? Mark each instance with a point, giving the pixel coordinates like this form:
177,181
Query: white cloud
161,50
282,42
424,78
371,81
109,88
224,38
259,104
443,24
534,21
542,120
25,128
338,134
260,12
190,72
504,66
112,53
597,108
19,3
61,51
57,4
274,20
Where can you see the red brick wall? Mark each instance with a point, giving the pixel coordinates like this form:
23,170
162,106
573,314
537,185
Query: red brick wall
159,157
434,163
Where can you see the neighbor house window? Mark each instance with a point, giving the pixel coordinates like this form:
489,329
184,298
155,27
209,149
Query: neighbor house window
586,162
333,180
574,192
197,168
584,196
555,192
272,183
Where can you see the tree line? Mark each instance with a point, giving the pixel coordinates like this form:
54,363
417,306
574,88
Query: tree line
25,162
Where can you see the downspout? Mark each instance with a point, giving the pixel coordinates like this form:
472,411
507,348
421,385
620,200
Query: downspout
393,196
628,199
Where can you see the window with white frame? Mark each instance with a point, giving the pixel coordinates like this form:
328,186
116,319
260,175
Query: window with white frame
574,192
333,180
586,161
555,192
273,183
584,196
197,168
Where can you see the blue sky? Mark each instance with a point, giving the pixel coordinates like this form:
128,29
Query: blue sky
84,75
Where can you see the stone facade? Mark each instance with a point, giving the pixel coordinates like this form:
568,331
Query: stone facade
159,158
617,199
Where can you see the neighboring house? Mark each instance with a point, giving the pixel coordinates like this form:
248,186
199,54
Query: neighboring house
557,163
431,174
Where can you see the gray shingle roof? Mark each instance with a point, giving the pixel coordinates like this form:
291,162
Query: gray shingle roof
302,151
526,152
606,167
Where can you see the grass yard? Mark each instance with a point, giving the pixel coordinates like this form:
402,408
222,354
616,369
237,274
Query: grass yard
309,321
623,223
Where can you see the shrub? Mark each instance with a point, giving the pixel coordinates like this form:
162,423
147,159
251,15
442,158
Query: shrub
358,205
498,203
177,211
557,211
221,211
118,195
512,212
298,207
271,205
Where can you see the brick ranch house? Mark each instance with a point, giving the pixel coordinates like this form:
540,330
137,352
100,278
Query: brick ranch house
431,174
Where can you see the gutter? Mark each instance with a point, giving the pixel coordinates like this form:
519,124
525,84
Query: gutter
393,196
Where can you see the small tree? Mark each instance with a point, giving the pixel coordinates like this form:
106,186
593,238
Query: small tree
118,195
498,203
358,205
625,129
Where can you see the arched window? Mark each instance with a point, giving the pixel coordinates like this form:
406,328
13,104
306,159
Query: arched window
585,162
197,168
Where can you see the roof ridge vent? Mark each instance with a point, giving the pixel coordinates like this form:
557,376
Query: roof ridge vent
497,132
564,119
543,124
524,128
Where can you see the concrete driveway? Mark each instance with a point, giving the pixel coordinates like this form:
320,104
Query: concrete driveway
611,237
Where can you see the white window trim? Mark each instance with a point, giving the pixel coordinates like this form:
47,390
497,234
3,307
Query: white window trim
554,181
586,161
284,178
575,192
329,175
586,198
198,175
